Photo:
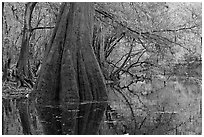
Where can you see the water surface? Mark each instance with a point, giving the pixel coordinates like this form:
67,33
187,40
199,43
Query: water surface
20,117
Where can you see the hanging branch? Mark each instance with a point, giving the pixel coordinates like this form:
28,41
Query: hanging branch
143,35
123,64
136,61
113,46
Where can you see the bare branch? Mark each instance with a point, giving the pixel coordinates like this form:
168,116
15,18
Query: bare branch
42,28
175,30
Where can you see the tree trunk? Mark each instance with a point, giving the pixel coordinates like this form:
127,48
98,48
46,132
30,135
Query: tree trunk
70,71
23,61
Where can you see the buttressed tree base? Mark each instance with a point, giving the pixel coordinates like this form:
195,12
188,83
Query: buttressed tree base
70,71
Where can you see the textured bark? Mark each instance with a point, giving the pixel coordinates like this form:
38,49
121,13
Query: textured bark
23,67
70,71
49,79
99,44
89,80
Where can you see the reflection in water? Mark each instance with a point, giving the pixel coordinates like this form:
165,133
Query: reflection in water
77,119
72,119
13,118
24,115
90,117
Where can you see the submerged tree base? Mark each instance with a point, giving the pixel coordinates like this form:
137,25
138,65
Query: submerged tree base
70,71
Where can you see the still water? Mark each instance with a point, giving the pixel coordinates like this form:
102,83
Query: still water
175,109
19,117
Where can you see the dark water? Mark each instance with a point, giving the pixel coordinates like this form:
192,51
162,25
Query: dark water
182,102
19,117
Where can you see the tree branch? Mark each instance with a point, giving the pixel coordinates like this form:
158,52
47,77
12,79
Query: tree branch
42,28
175,30
139,34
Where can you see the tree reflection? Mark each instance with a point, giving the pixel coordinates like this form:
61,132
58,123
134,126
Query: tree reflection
72,119
15,117
24,116
90,117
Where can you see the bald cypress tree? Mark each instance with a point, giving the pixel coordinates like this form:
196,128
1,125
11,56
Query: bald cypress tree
70,71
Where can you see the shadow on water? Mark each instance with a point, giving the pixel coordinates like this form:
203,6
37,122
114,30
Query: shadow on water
76,119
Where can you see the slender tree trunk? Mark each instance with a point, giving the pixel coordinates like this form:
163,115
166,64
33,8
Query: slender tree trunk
70,71
23,61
